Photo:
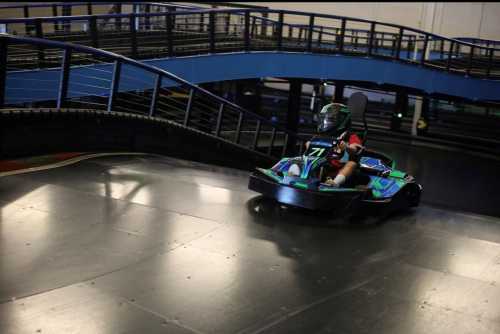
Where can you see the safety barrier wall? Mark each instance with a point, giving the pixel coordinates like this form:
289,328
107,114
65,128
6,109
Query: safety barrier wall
113,82
28,132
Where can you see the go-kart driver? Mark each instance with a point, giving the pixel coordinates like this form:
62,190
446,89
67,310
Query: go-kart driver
335,121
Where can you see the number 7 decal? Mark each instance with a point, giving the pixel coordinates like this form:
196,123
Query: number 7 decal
317,151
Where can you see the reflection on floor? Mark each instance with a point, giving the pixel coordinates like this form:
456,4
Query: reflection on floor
158,245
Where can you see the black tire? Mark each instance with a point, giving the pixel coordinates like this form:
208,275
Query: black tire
406,198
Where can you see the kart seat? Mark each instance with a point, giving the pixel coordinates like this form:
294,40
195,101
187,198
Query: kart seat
357,105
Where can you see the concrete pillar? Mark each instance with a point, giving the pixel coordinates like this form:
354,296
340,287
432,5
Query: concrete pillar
248,95
423,121
238,92
322,98
293,114
339,92
400,110
416,115
434,108
313,105
258,98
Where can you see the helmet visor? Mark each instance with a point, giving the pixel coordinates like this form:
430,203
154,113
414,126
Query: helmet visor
331,118
327,123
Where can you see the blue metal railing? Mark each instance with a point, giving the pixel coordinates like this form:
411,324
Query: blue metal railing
117,83
480,41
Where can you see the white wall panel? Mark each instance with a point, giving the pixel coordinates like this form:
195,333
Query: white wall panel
490,27
452,19
461,19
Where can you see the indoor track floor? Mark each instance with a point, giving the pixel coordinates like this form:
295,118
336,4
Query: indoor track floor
149,244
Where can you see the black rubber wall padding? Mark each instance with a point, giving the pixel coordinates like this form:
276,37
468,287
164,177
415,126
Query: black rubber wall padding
36,132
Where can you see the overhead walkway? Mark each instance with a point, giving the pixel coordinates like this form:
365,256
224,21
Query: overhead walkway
362,50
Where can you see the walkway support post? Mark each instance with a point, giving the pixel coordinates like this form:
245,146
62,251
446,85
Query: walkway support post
170,39
279,31
271,142
423,122
469,63
246,31
27,27
293,114
220,115
63,83
341,38
3,69
133,35
66,11
189,106
424,54
255,143
54,14
372,38
450,53
490,59
416,115
238,128
118,20
398,43
147,19
339,92
93,32
39,34
310,33
420,116
227,22
114,85
154,97
211,31
400,110
263,31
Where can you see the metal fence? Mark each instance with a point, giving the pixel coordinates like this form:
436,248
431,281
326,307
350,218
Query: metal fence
83,77
86,8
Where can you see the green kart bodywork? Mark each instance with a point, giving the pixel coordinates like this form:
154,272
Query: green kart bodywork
376,182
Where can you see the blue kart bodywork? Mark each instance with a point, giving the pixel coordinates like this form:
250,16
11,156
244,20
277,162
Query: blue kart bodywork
377,185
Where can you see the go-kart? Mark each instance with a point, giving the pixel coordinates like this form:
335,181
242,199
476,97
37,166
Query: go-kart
375,187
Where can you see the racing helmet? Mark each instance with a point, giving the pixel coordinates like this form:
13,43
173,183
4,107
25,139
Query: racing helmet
334,119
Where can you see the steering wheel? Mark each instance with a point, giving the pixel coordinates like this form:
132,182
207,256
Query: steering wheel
359,149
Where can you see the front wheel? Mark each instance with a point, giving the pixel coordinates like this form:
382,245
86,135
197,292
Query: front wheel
406,198
413,194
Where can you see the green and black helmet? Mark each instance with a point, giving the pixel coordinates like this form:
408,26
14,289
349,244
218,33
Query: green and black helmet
334,119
